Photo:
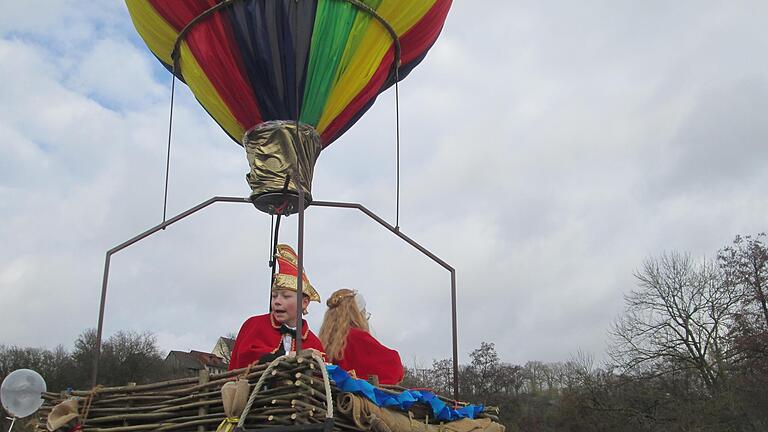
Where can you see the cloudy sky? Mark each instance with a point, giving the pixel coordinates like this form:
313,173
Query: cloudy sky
547,149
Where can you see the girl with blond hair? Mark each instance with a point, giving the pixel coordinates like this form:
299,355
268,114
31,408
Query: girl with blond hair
349,344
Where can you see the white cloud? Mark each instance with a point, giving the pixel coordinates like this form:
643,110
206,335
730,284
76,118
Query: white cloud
118,74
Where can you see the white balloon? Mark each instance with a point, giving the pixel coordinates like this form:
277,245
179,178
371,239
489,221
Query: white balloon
22,392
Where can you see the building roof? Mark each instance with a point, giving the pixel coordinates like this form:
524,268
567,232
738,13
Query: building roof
196,360
227,341
185,360
210,360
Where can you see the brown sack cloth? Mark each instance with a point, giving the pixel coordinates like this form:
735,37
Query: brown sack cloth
62,414
367,416
234,395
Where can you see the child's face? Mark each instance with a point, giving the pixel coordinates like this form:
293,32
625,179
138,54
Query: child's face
284,306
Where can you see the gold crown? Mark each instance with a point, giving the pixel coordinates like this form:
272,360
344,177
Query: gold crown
287,271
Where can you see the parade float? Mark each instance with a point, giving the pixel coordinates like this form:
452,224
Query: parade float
284,79
292,393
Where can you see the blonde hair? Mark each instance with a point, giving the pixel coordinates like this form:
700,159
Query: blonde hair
342,314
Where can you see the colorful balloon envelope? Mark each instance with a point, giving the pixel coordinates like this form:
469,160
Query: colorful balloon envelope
257,66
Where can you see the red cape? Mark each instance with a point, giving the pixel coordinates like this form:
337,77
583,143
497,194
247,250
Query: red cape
260,335
367,356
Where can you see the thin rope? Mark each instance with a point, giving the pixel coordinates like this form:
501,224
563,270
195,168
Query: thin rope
257,387
224,3
183,33
397,127
87,406
267,373
168,153
247,370
270,258
271,240
272,261
327,384
387,26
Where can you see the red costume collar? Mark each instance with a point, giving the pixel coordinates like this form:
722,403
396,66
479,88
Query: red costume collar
276,325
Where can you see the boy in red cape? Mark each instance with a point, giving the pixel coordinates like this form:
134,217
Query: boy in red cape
263,338
349,344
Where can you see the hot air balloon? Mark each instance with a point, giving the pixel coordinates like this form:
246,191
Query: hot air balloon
262,68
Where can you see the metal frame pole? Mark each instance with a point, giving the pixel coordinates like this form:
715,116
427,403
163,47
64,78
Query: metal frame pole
204,204
300,274
121,246
422,249
299,182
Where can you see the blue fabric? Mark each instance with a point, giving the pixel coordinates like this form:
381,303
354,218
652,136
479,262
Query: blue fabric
402,401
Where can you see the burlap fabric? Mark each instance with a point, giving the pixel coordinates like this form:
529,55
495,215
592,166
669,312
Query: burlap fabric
368,416
62,414
234,396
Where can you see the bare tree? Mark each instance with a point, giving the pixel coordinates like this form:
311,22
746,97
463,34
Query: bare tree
125,357
533,376
55,366
511,379
745,263
438,378
442,376
676,320
481,377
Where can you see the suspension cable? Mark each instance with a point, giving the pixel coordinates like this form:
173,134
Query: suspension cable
168,153
397,129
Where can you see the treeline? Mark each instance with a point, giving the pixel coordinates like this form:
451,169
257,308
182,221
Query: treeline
577,395
689,353
125,357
